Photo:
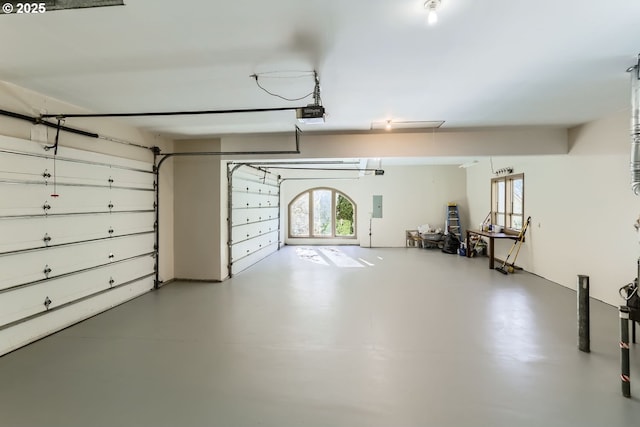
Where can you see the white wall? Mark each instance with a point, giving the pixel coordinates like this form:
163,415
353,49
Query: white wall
412,195
581,206
198,212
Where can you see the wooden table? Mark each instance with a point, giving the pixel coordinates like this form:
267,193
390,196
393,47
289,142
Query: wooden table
491,236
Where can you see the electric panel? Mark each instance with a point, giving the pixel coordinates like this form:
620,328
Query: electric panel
377,207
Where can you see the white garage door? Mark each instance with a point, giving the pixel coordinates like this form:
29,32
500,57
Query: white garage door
64,258
255,216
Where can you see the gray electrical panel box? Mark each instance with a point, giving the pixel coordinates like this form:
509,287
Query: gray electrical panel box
377,207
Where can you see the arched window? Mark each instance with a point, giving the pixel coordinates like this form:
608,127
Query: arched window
322,213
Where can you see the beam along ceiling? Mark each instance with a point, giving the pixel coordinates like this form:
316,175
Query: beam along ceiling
485,63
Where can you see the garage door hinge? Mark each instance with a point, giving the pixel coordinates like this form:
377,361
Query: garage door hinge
111,256
111,282
111,231
47,271
46,175
46,207
110,181
110,206
47,302
46,239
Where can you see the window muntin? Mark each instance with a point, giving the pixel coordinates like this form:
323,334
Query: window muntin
322,213
299,215
500,207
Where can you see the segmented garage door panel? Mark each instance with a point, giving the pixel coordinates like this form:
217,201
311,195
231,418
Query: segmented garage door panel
240,234
21,303
243,216
26,267
254,201
39,326
249,247
16,166
24,200
90,174
25,233
77,236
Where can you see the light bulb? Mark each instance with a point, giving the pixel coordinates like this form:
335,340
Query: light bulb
432,18
388,126
432,11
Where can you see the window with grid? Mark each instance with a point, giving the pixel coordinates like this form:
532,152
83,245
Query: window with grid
507,201
323,213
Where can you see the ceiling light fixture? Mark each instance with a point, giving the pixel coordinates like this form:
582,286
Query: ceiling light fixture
469,164
432,10
402,125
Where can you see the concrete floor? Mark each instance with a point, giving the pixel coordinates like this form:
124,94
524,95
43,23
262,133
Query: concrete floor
304,338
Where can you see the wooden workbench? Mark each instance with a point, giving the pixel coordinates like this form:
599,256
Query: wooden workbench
491,236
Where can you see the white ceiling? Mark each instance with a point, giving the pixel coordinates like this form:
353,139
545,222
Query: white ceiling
486,63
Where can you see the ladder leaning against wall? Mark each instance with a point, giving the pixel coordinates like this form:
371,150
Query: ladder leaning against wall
452,224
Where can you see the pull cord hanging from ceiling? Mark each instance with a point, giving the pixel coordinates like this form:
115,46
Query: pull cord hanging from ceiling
55,155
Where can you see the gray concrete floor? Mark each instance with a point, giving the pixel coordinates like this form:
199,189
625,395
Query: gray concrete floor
419,338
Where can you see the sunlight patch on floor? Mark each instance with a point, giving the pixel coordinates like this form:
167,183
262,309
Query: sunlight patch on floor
340,259
309,254
330,256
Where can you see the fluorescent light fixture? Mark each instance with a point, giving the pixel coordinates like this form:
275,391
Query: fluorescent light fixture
469,164
400,125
